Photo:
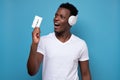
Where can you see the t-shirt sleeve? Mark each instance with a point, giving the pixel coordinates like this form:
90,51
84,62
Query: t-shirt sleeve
41,46
84,53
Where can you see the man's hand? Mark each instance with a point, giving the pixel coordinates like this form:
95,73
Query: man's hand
36,35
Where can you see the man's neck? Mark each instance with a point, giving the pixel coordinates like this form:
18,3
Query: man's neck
63,37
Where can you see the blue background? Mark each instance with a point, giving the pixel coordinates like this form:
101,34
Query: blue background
98,24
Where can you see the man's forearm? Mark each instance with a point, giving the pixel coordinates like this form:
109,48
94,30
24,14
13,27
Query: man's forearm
32,63
86,76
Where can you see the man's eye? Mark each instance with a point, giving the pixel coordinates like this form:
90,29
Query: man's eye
56,15
62,17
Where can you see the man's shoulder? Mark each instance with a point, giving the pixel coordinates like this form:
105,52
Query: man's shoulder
78,39
50,35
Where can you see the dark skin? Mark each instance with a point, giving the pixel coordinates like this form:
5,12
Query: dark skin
62,32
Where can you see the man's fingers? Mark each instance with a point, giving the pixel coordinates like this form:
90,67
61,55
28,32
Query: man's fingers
36,32
36,35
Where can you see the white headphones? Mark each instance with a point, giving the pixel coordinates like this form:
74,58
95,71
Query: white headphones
72,20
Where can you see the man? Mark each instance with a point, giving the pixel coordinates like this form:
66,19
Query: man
60,51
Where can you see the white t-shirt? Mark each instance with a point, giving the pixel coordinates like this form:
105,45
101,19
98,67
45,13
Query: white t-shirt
61,59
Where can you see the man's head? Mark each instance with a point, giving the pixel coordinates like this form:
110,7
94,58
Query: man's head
62,16
73,10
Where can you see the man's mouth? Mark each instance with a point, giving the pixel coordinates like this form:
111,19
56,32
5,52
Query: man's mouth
56,24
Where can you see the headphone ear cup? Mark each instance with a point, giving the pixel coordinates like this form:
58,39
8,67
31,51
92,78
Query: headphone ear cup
72,20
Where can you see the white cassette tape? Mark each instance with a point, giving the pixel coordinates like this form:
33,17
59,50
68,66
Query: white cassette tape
37,21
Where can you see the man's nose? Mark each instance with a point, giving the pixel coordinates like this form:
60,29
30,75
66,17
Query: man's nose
56,18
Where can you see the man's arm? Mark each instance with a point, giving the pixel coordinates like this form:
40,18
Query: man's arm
35,58
34,61
85,71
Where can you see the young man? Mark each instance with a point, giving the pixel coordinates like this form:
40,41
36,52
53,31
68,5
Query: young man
60,51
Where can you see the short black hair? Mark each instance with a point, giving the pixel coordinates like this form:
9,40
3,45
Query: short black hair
71,7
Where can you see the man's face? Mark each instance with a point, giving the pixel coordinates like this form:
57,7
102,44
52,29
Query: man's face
61,20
